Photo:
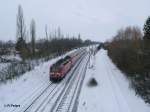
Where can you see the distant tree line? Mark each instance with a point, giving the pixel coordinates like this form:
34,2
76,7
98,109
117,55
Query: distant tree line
5,47
130,51
53,43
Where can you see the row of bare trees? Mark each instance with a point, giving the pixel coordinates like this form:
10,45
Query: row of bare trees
126,48
52,43
130,51
34,51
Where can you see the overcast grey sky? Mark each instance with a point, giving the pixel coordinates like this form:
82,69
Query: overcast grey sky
95,19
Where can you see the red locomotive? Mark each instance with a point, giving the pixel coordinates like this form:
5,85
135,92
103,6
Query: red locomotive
59,69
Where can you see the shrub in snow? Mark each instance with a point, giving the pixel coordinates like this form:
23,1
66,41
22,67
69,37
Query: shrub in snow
92,82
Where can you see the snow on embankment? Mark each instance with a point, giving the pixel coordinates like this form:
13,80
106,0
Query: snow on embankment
12,57
112,93
18,91
3,65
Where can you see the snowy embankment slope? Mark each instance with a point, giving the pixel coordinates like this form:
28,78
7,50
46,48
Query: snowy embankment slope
3,65
20,90
12,57
113,93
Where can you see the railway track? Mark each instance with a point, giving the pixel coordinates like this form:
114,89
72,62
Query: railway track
25,100
67,82
75,104
68,100
43,97
39,102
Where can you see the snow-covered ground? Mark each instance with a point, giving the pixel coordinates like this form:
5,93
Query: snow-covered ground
12,57
3,65
113,93
31,83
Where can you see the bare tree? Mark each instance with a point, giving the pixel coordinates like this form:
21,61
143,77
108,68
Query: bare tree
59,32
46,32
33,35
21,28
21,44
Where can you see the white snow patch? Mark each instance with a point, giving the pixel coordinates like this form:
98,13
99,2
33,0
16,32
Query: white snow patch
18,91
12,57
3,65
112,94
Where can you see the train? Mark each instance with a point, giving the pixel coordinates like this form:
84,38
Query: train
59,69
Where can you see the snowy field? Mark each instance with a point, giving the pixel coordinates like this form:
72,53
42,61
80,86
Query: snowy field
15,93
112,94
